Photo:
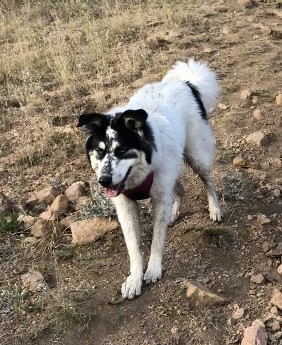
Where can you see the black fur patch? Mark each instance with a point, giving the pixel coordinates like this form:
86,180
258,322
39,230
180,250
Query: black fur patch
134,132
198,99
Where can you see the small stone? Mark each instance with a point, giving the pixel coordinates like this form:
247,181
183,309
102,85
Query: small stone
66,222
82,201
30,240
202,294
32,200
255,99
279,99
275,325
274,310
276,299
34,281
257,278
26,221
225,30
276,252
257,114
239,161
279,269
46,195
89,230
238,313
276,193
60,204
255,334
245,94
245,3
222,106
75,191
258,139
49,214
207,50
43,228
262,219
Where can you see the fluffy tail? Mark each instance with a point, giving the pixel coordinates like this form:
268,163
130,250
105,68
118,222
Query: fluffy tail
198,74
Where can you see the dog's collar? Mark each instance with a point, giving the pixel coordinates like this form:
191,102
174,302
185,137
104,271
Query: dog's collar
142,191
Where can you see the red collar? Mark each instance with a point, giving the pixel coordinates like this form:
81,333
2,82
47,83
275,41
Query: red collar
142,191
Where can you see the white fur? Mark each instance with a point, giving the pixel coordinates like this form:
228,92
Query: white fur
178,127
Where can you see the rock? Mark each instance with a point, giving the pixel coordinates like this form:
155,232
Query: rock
81,201
262,219
246,3
26,221
257,278
279,269
257,139
45,228
48,215
274,325
32,200
279,99
276,252
274,310
222,106
202,294
89,230
276,299
257,114
207,50
30,240
66,222
60,204
75,191
46,195
238,313
239,161
34,281
245,94
255,334
276,193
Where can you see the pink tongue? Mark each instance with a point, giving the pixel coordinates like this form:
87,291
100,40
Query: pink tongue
111,192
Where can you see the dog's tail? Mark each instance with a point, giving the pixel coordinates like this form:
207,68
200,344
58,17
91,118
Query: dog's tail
201,77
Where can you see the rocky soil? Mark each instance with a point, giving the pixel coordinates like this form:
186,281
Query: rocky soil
60,283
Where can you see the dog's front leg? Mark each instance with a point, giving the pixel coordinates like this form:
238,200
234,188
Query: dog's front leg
128,214
162,206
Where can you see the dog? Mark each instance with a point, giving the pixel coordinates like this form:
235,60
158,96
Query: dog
137,151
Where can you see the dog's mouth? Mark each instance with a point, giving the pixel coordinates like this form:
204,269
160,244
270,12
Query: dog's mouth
115,190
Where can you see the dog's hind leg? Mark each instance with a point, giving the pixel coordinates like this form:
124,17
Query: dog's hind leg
177,202
128,214
204,174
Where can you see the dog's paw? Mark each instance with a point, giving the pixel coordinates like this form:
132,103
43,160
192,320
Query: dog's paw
131,287
153,273
215,215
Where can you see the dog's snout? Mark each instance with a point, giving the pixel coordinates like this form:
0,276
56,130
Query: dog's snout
105,180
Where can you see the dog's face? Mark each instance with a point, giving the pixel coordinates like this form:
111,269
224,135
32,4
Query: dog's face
119,148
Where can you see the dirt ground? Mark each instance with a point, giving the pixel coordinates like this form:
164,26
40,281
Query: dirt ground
83,304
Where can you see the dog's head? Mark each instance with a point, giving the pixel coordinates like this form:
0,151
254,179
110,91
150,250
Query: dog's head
119,148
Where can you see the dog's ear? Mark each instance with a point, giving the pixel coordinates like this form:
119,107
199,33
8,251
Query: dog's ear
134,119
92,121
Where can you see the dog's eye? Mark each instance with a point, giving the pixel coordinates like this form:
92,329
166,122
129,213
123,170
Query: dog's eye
99,150
121,149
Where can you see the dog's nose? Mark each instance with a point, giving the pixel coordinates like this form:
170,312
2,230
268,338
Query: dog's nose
105,180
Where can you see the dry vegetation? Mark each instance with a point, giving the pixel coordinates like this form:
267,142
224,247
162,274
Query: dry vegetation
59,58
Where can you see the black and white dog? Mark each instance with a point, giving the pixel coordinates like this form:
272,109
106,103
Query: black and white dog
137,151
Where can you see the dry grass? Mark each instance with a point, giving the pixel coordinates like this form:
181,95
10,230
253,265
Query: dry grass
58,58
